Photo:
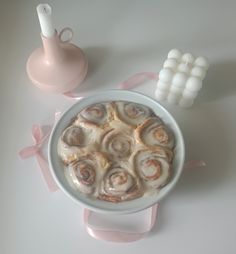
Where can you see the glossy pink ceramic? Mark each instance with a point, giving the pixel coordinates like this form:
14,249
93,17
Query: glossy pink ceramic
58,66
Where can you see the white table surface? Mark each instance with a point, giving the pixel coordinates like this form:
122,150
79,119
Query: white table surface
121,38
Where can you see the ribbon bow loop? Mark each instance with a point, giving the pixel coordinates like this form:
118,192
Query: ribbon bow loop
37,134
39,139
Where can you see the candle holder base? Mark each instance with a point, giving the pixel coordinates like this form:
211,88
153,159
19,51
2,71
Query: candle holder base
58,67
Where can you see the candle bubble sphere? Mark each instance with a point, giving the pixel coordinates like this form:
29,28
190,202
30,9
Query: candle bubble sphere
166,75
183,67
188,58
174,53
170,63
202,62
194,84
199,72
189,94
179,79
186,102
176,90
163,85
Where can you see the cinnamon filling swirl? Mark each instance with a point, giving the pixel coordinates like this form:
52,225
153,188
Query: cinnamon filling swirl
119,185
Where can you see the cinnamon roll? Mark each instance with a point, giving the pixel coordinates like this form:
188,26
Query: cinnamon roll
84,173
75,141
73,136
132,113
153,169
119,185
154,132
118,143
98,114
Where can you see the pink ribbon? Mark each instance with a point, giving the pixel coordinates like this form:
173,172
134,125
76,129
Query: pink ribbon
130,83
194,164
73,95
122,236
35,150
138,79
119,236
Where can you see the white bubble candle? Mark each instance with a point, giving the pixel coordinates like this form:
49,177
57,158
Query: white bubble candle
181,78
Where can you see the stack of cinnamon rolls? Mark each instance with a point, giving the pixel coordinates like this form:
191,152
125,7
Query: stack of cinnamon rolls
117,151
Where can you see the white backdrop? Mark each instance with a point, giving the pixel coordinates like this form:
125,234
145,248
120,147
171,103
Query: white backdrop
121,38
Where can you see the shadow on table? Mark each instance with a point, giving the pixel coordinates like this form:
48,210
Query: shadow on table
220,82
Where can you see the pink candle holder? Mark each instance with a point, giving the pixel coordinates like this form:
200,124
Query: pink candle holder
58,66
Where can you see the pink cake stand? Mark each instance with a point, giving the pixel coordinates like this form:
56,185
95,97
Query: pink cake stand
58,66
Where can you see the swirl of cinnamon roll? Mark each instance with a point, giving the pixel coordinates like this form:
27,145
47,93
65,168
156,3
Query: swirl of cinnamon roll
119,185
153,132
84,173
98,114
154,170
73,136
132,113
117,143
75,140
69,144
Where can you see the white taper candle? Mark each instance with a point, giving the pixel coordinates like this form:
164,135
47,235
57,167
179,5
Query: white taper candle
45,19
